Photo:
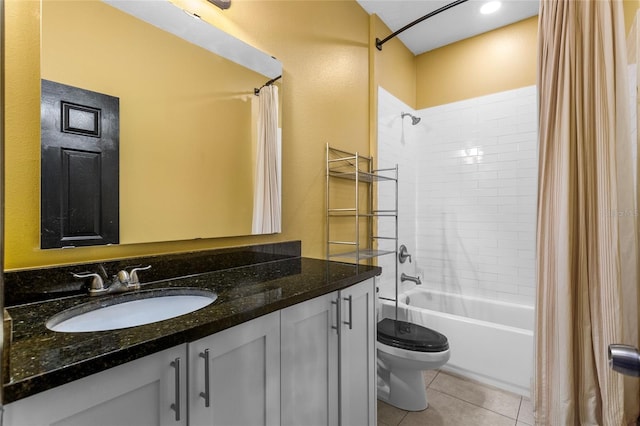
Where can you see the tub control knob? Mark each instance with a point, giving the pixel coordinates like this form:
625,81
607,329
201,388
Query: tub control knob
403,254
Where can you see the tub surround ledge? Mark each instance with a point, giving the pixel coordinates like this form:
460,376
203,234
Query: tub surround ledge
248,287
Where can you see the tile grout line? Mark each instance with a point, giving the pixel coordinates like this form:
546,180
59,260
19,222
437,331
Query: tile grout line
433,378
405,415
476,405
519,408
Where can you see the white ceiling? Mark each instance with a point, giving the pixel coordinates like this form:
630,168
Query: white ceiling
457,23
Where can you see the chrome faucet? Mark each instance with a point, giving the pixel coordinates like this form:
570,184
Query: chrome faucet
405,277
121,282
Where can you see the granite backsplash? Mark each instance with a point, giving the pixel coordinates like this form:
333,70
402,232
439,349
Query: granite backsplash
34,285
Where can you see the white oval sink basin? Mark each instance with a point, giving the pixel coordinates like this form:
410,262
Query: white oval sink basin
130,310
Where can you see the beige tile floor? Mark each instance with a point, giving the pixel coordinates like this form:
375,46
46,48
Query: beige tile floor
455,401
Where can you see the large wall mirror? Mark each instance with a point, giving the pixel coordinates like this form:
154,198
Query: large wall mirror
188,138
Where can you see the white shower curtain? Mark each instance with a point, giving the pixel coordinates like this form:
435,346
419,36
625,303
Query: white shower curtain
266,195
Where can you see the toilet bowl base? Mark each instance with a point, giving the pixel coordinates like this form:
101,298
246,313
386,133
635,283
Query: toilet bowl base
405,389
401,380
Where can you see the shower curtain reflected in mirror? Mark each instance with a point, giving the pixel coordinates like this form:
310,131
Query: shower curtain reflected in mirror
266,199
587,296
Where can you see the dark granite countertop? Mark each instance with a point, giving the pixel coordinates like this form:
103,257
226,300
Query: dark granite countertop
41,359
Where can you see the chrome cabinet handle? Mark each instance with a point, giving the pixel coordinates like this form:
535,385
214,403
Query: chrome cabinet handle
350,322
176,405
206,394
336,302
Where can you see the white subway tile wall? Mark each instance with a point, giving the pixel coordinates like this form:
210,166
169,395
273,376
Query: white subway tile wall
396,136
468,189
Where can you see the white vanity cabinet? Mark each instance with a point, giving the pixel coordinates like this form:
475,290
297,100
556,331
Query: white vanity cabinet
309,364
234,375
149,391
329,360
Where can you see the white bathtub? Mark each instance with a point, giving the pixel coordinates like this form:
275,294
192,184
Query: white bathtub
490,341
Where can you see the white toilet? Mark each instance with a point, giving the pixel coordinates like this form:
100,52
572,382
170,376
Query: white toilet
405,350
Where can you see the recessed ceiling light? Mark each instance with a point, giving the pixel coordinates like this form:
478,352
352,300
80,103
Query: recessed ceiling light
490,7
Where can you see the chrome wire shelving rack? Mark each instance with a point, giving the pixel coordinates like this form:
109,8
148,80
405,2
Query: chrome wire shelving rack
350,191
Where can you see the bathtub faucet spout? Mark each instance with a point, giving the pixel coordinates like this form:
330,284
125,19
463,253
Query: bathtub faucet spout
405,277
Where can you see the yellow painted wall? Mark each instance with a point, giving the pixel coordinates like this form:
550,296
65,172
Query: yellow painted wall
630,7
392,68
185,119
323,46
394,65
499,60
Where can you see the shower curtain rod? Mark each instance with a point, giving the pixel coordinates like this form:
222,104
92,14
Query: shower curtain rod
379,42
268,83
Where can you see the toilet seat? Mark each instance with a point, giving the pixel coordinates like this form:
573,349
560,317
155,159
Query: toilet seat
409,336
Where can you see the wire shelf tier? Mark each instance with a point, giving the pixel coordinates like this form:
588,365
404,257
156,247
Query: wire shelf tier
361,254
364,177
353,212
357,168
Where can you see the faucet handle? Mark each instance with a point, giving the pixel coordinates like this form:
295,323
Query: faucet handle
134,274
403,254
97,285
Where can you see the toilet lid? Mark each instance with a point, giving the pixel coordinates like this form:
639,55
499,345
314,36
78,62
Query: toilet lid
406,335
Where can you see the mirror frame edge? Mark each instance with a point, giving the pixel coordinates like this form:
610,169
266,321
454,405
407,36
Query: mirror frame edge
2,180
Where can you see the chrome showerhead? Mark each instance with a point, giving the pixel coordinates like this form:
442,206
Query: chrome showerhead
414,120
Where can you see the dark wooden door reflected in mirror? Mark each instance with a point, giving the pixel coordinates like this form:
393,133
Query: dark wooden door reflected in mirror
79,160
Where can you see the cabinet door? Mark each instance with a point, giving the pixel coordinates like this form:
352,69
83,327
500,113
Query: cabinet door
309,360
358,355
143,392
234,375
